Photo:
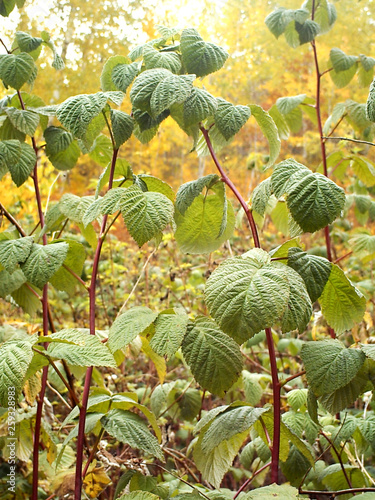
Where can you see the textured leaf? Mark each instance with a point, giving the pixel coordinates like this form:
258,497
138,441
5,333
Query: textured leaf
277,21
364,170
154,184
77,112
214,358
261,196
344,397
282,492
144,86
250,293
90,352
26,299
57,139
342,304
15,357
6,7
214,465
10,152
152,58
269,130
170,329
131,429
198,106
145,214
74,207
23,120
207,223
13,252
297,398
122,126
189,191
370,105
106,81
75,259
342,78
307,31
171,90
22,169
124,74
26,42
333,478
199,57
252,388
234,420
229,118
286,104
139,495
330,365
314,270
128,325
16,70
43,261
312,199
66,159
11,282
340,61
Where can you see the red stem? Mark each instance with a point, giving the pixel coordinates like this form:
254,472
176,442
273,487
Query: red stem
276,387
248,481
233,188
86,389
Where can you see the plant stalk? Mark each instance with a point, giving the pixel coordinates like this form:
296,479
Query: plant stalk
86,389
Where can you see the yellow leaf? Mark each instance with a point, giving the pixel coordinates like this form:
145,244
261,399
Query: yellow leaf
158,361
95,482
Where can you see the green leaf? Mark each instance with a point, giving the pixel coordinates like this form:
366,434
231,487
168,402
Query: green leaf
214,358
330,365
173,89
198,106
23,120
152,58
74,207
11,282
282,492
170,329
57,139
106,81
190,190
139,495
261,196
13,252
280,122
250,293
297,398
10,152
128,325
144,86
131,429
325,15
22,169
145,214
206,224
90,351
333,478
229,118
77,112
233,420
252,388
6,7
269,130
307,31
122,126
123,75
364,169
15,357
342,78
26,42
313,200
16,70
75,259
43,261
370,104
340,61
154,184
342,304
277,21
344,397
199,57
214,465
287,104
314,270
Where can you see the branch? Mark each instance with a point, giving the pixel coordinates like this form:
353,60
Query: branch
349,139
12,220
248,481
334,494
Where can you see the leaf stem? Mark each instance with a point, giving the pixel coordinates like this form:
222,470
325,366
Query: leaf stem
334,494
248,481
233,188
78,278
12,220
338,458
348,139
